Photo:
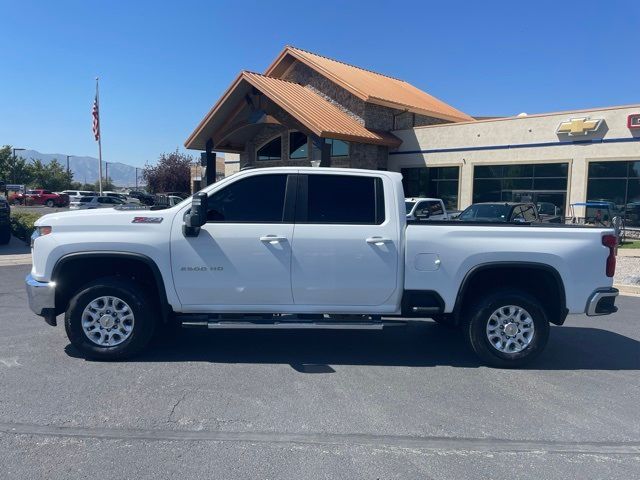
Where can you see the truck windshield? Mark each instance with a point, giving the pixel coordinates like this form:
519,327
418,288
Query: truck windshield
492,213
409,206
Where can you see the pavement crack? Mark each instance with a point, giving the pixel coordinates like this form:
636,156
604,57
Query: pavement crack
174,406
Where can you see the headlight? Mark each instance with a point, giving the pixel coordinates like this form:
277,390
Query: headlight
39,232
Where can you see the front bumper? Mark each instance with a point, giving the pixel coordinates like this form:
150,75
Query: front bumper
42,298
602,302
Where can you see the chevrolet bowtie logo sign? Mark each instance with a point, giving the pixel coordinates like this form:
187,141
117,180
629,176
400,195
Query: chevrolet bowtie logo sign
579,126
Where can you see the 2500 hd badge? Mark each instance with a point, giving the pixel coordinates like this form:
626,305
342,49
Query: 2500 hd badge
201,269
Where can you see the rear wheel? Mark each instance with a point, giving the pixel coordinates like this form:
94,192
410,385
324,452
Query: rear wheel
49,203
508,328
110,319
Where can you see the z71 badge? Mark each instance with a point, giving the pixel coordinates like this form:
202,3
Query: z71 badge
146,220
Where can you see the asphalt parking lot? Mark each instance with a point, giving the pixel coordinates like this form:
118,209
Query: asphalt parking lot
407,402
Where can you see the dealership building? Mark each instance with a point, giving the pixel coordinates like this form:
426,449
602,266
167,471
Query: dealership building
306,109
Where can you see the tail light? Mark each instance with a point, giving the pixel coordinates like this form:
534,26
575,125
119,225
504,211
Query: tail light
610,241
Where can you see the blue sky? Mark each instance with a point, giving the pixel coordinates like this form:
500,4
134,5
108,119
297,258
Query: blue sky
163,64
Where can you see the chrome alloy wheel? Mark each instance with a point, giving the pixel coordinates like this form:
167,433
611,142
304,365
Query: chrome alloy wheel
107,321
510,329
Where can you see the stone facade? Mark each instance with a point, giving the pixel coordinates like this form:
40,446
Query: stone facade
375,117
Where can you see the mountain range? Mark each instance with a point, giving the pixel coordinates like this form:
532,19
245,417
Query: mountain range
85,169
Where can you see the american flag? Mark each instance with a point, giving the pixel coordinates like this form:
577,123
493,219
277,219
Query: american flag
96,119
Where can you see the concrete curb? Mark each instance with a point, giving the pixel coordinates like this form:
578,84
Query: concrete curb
16,259
631,290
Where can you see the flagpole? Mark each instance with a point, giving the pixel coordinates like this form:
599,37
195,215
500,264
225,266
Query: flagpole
99,140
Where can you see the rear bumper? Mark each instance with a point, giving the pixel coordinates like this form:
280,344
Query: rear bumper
42,298
602,302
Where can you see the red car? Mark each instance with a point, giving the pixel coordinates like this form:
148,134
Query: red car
41,197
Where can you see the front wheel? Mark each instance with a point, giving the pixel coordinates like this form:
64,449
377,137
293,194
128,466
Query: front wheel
507,329
110,319
49,203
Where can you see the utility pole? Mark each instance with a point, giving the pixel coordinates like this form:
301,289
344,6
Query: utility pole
13,172
136,178
68,171
106,164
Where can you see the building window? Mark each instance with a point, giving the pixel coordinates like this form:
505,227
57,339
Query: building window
617,182
339,148
271,150
298,145
539,183
433,182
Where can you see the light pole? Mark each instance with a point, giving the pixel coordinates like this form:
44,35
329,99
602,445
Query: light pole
13,171
106,172
68,171
136,178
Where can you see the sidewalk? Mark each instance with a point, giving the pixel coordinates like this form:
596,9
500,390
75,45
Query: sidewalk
16,252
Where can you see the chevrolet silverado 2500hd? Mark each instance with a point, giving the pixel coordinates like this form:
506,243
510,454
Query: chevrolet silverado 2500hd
312,248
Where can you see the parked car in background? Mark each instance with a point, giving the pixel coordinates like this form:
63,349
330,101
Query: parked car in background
165,201
425,209
41,197
500,212
549,212
91,202
144,197
76,194
5,225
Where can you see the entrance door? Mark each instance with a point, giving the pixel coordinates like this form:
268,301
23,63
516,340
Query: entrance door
345,251
242,255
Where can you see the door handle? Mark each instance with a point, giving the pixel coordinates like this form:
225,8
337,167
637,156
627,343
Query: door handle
273,239
378,240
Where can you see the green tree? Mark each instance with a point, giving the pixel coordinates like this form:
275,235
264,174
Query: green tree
52,176
172,173
13,169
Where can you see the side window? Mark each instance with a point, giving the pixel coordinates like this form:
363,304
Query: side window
345,199
435,208
103,200
256,199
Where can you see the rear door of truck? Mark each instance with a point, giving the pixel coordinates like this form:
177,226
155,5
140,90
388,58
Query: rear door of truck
346,240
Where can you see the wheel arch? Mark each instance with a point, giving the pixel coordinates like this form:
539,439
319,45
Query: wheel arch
485,271
128,259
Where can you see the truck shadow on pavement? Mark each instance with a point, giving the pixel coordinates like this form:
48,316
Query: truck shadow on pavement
419,344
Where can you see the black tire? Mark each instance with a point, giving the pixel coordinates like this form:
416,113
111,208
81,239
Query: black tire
477,319
49,203
144,313
5,234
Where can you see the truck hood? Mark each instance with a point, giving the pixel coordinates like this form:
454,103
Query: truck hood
105,216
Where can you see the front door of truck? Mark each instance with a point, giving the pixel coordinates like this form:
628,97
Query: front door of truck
345,245
242,256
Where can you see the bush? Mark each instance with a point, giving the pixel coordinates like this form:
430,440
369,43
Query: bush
22,224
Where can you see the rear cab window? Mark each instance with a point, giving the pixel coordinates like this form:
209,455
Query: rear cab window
341,199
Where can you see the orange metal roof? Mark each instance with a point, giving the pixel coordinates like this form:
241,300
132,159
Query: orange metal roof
317,114
372,87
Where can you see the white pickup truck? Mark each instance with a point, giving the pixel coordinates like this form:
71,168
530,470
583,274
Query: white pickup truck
312,248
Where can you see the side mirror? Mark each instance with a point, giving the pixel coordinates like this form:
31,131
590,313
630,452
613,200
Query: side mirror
197,216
